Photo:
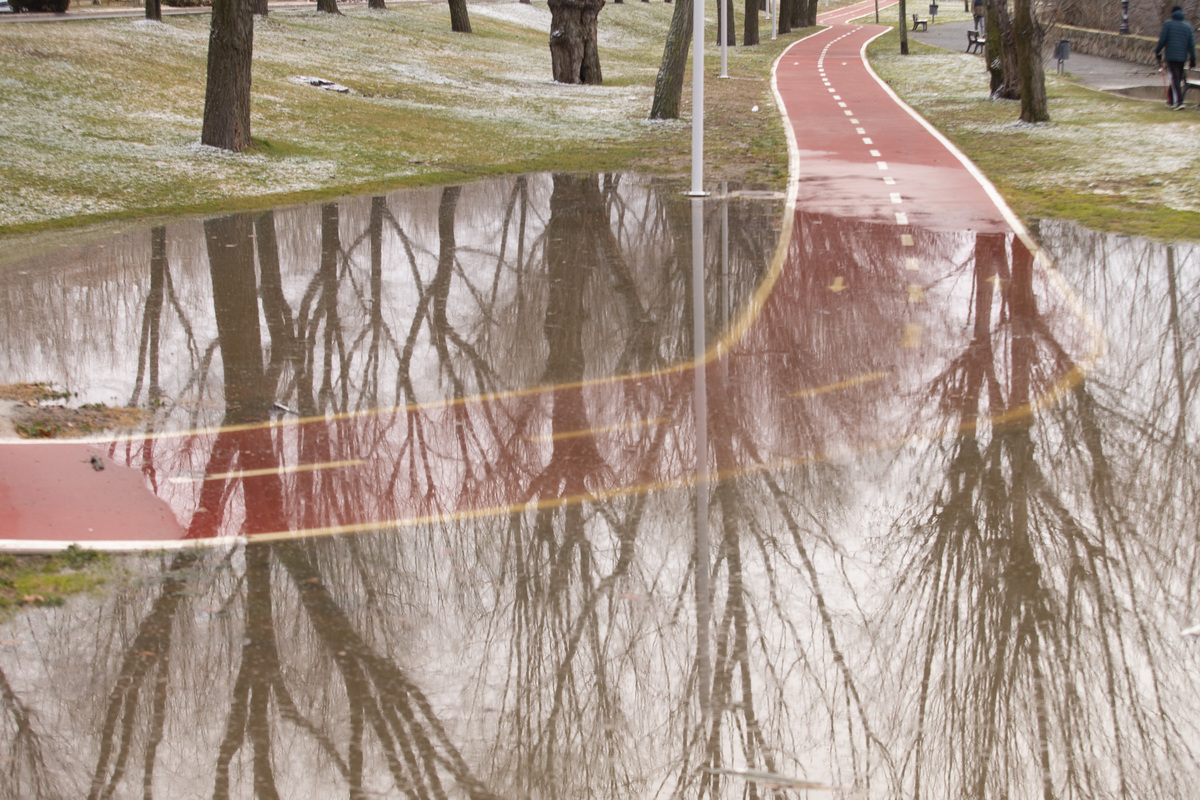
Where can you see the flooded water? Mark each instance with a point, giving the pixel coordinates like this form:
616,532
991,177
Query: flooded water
453,450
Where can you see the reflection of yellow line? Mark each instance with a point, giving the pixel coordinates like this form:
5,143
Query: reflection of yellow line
846,384
257,473
558,437
1022,412
1061,386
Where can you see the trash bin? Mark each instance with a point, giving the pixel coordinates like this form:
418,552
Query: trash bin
1062,51
933,10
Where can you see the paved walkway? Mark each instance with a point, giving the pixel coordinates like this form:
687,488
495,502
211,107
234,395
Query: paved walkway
1105,74
862,152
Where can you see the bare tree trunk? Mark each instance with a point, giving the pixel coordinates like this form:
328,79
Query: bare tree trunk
328,6
574,56
459,21
154,10
727,9
260,8
810,14
1032,80
668,88
227,95
903,28
750,26
377,5
1000,52
783,12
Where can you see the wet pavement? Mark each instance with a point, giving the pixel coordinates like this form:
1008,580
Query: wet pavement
572,486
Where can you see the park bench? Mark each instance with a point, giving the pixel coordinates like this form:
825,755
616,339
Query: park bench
1191,80
975,42
923,24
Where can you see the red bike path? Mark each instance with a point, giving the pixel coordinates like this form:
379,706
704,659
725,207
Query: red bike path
854,314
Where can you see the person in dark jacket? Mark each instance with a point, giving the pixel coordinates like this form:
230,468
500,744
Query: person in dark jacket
1176,44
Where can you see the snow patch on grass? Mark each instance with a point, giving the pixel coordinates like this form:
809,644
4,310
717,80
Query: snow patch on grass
524,14
105,114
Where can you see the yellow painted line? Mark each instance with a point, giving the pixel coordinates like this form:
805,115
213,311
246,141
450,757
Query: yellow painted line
846,384
916,293
625,426
257,473
1023,412
912,336
838,285
1060,387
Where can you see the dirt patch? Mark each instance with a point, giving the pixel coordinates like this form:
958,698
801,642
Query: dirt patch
37,411
32,392
63,422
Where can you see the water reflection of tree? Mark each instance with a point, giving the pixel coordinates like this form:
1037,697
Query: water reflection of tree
373,719
25,771
1039,668
419,754
1151,298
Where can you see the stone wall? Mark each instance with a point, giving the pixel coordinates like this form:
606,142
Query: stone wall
1138,49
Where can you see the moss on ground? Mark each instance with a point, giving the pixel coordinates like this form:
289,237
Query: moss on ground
48,580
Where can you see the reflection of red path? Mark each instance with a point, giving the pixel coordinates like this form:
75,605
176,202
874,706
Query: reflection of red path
879,202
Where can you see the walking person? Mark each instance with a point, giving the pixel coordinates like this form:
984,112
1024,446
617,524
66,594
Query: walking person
978,12
1176,44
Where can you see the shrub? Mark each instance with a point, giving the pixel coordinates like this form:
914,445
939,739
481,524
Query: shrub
57,6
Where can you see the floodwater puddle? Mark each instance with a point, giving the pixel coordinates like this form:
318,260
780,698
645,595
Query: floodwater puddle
562,486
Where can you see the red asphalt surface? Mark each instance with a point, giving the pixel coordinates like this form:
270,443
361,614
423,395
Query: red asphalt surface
882,207
860,148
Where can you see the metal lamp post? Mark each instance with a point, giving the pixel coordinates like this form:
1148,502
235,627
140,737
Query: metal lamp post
697,189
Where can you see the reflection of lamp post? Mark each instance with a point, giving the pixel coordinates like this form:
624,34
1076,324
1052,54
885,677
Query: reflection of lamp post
1124,16
700,405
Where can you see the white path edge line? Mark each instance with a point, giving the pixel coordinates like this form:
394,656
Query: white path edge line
1099,341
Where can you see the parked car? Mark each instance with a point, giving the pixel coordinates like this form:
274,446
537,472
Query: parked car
57,6
5,8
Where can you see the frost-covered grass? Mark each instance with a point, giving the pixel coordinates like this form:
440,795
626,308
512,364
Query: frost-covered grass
1109,162
101,118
